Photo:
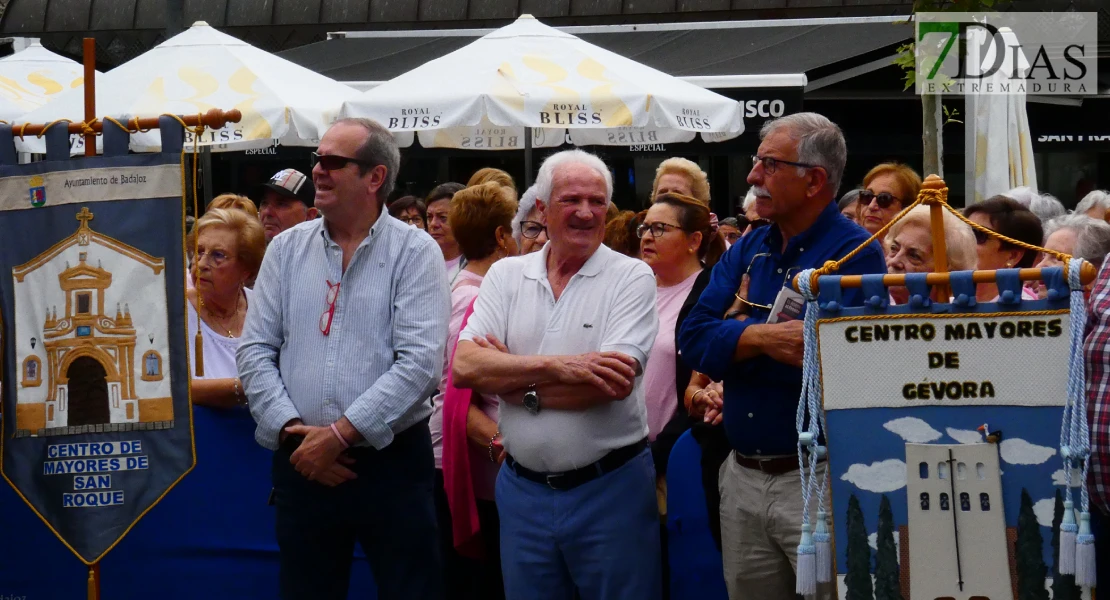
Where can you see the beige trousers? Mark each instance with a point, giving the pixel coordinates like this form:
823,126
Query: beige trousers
761,518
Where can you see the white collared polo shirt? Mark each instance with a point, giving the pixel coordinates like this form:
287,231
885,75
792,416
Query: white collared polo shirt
609,305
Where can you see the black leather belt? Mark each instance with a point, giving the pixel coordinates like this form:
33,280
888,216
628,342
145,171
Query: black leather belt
571,479
771,466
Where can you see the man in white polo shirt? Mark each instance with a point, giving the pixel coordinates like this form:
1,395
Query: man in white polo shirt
576,496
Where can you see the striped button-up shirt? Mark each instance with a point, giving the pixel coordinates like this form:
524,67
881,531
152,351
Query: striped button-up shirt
383,355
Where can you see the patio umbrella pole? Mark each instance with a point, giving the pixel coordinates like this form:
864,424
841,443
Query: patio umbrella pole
90,92
527,157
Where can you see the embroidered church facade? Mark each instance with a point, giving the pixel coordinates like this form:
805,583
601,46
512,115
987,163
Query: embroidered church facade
91,338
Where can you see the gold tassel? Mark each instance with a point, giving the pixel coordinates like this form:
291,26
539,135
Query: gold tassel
92,584
198,352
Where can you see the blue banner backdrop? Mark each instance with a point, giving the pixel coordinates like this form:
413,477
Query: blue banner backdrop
98,425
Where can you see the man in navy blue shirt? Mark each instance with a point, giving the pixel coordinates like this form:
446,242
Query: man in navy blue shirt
795,177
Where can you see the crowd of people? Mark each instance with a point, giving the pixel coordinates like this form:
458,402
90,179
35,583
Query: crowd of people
482,387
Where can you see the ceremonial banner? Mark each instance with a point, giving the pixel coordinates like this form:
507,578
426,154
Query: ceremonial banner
951,413
97,424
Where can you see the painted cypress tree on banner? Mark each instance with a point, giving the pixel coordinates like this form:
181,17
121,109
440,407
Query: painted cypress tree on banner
1063,586
858,579
1029,553
887,586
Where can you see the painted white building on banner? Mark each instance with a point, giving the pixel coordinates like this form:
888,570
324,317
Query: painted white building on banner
954,498
91,337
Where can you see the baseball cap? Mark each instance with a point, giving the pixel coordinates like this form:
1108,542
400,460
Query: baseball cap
291,183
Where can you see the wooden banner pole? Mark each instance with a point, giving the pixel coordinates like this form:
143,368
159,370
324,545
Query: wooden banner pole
936,223
94,581
90,93
939,278
213,119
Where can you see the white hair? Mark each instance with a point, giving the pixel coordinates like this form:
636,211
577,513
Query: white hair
1045,206
1092,236
820,142
749,199
1100,198
527,203
545,180
961,252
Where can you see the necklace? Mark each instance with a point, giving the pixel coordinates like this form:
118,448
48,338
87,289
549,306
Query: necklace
221,321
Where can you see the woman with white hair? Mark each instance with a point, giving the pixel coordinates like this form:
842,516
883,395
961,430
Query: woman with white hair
754,220
909,247
1045,206
1095,204
529,229
1078,235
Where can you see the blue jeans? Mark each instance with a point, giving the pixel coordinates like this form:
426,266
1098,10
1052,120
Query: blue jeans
601,537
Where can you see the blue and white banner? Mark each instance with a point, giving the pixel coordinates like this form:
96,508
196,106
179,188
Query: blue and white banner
951,411
97,424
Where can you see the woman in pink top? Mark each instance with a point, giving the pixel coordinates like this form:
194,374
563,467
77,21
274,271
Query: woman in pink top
464,425
679,244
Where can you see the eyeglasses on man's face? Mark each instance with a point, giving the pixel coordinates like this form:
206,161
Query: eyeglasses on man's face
416,220
770,164
531,229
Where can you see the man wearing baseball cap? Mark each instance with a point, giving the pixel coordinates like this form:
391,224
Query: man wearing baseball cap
287,200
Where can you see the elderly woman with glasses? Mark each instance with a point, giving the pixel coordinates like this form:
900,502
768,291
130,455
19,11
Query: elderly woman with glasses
529,229
229,248
410,210
679,244
887,189
1009,218
909,247
1077,235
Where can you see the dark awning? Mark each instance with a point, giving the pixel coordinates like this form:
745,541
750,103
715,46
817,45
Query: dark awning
797,46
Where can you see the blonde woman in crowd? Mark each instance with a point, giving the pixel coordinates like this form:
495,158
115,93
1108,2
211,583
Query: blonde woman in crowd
681,176
230,246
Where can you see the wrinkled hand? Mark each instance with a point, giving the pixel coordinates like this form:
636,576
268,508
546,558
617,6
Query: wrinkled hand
490,342
708,402
318,456
611,372
739,306
784,343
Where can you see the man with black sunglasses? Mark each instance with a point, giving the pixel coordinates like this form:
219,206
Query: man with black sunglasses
758,354
342,345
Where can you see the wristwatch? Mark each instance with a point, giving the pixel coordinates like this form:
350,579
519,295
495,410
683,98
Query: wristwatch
532,400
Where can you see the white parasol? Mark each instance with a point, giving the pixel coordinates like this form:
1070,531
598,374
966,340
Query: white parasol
202,68
529,75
